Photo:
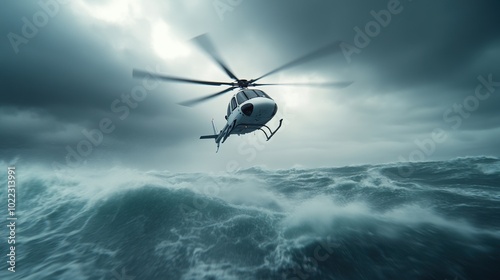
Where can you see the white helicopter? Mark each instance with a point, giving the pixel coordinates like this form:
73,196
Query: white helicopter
249,109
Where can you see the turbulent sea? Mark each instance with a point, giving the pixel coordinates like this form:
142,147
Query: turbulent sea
428,220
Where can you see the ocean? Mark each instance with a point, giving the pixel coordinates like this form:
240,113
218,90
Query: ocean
425,220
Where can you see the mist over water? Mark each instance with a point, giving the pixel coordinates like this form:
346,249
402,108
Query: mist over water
355,222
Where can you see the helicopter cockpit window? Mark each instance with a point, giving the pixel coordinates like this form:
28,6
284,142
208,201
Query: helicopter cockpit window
262,94
233,104
241,97
228,109
250,94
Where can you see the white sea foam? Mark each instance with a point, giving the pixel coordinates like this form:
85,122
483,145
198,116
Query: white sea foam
278,213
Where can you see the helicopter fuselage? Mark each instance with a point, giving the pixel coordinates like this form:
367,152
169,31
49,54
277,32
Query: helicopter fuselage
249,110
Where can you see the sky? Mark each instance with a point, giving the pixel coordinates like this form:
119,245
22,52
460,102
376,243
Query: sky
426,82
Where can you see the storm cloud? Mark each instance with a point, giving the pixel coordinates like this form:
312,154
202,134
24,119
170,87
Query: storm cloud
66,73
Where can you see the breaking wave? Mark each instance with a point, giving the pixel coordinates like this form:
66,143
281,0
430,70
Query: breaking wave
356,222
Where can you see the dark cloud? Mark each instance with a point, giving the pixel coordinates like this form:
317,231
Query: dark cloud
65,79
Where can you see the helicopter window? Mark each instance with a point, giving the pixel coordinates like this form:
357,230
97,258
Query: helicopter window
259,93
228,109
250,94
241,97
262,94
233,104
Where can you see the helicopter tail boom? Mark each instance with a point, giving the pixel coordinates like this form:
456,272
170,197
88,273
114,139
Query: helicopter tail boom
216,136
209,136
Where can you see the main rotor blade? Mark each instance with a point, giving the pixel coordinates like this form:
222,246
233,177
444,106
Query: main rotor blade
145,74
204,42
326,50
196,101
330,84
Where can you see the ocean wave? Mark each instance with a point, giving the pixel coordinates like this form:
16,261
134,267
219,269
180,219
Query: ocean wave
353,222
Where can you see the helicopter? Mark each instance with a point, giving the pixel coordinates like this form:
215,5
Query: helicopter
249,109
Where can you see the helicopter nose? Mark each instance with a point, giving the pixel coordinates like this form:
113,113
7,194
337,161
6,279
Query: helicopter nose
263,109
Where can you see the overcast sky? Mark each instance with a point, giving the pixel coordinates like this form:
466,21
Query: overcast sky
66,67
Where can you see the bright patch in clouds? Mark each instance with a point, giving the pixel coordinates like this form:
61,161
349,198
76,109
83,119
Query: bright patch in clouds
112,11
297,96
165,42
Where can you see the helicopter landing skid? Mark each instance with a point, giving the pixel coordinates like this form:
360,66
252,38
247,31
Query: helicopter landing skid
259,127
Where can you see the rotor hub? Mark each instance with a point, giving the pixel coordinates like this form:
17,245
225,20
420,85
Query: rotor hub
243,83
